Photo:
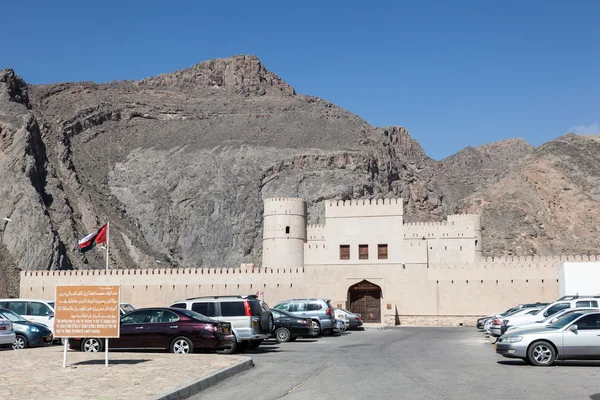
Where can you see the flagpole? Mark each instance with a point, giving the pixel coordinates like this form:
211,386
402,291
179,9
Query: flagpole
107,233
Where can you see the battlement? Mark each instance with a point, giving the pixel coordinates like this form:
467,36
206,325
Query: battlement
364,208
433,224
513,261
315,232
283,199
364,202
245,269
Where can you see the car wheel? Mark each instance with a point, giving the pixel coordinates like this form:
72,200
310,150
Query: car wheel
541,354
267,324
316,328
92,345
254,344
230,350
182,345
20,343
283,335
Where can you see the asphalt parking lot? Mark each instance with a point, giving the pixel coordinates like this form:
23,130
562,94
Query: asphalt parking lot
403,363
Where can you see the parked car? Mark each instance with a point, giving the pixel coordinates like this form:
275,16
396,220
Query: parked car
546,321
7,334
177,330
481,321
126,308
574,337
354,319
552,309
496,327
251,325
289,327
319,310
27,333
40,311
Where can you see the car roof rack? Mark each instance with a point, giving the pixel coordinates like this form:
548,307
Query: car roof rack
238,296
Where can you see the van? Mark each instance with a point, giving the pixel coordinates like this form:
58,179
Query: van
35,310
249,322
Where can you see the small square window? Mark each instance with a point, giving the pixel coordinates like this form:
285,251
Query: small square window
382,251
344,251
363,251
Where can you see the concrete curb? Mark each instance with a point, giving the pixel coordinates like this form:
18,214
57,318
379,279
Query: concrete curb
194,387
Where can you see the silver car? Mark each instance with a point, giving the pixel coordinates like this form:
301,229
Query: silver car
319,310
575,337
7,334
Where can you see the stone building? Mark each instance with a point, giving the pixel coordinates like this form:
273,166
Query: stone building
364,258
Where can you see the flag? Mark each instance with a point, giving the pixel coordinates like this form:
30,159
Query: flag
91,240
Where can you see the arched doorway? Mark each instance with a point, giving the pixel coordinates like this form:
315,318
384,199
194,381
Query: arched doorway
364,298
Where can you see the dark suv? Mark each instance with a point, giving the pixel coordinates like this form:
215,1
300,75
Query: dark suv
319,310
250,324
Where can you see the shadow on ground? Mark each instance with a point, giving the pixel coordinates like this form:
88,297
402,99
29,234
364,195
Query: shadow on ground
110,362
519,363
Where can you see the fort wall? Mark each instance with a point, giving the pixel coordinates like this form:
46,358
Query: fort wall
413,293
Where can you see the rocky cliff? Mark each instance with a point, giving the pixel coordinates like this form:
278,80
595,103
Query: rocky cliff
180,163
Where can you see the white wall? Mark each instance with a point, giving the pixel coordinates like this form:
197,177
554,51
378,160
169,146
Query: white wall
581,278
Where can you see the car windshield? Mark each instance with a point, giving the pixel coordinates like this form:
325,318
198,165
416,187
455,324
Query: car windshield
196,316
565,321
14,317
127,307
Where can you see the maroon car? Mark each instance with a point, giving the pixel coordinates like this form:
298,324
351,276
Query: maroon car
174,329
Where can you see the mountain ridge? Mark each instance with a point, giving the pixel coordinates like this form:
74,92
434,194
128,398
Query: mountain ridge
179,163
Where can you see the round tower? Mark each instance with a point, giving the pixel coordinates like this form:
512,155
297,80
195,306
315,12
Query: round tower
284,232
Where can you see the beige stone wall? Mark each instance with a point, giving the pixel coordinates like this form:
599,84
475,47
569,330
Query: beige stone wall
412,293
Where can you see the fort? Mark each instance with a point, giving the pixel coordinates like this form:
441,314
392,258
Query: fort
364,258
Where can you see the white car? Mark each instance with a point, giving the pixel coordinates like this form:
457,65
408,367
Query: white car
7,334
342,323
551,309
496,327
35,310
542,323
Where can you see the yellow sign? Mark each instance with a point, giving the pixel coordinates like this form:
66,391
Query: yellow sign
84,311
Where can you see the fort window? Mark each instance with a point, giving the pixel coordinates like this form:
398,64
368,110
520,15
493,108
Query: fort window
382,251
363,251
344,251
287,230
475,242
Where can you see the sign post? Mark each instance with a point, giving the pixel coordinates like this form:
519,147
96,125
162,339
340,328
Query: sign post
87,312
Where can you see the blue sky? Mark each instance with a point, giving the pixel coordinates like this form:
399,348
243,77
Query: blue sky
454,73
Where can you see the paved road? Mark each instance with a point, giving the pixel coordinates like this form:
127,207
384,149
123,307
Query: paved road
402,363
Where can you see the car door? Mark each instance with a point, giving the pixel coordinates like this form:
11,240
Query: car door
41,313
20,307
160,328
132,333
585,341
299,307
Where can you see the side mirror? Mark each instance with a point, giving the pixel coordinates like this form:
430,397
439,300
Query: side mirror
573,328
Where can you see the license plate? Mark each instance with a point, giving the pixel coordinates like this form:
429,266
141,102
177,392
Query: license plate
255,323
226,330
495,345
47,339
2,328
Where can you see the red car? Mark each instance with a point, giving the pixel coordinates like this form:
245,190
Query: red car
179,331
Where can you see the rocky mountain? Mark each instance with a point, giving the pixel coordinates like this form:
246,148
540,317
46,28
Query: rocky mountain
179,164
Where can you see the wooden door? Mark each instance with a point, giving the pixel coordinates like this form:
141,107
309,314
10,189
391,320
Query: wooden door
366,301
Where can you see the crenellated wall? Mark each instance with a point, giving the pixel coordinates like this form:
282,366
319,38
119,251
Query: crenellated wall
410,292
